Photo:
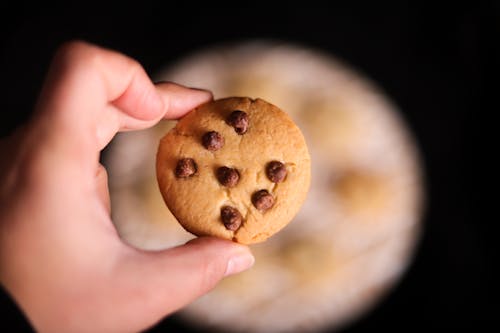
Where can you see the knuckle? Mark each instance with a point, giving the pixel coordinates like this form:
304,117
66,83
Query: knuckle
71,50
73,56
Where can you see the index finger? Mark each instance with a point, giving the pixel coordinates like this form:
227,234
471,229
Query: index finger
91,93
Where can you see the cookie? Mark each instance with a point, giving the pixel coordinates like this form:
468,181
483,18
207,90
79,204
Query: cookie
234,168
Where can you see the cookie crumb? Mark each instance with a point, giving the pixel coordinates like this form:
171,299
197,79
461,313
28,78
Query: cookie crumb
227,176
262,200
239,120
185,168
231,218
276,171
212,140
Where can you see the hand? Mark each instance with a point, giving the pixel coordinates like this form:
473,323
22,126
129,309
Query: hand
60,256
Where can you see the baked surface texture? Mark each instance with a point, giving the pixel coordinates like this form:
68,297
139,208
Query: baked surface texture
197,195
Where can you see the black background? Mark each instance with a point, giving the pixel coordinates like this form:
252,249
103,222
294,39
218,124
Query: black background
438,63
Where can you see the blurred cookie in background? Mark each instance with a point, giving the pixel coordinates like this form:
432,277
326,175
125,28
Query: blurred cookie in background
358,228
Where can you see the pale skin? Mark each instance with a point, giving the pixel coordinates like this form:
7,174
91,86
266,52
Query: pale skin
61,258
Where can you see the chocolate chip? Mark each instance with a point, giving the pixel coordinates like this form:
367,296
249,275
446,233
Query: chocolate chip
239,120
231,218
276,171
186,167
213,140
262,200
227,176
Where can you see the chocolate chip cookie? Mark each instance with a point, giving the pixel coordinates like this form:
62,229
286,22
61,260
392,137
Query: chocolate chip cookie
234,168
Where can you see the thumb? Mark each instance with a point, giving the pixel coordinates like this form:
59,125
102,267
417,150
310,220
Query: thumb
171,279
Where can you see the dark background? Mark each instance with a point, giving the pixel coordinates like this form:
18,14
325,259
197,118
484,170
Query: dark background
438,63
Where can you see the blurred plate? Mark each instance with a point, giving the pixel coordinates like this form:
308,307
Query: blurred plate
357,230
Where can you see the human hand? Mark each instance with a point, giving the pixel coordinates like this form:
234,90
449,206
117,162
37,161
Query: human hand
61,258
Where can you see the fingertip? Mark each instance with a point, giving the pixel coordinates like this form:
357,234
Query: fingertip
239,262
175,277
239,257
179,100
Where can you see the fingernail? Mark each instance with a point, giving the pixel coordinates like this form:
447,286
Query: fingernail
201,90
196,89
203,94
239,263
